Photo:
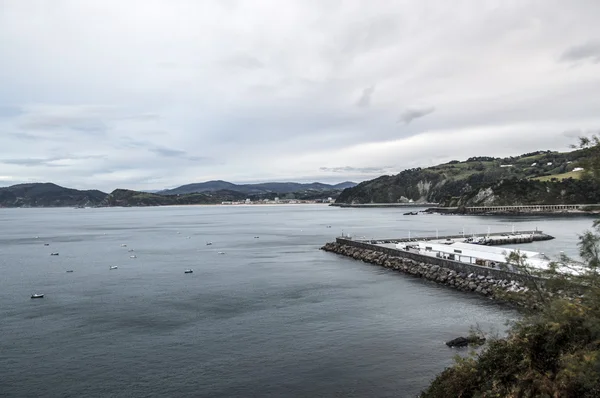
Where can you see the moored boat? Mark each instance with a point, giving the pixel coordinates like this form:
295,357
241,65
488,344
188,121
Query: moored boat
188,271
35,295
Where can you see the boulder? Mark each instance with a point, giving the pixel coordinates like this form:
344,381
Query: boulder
465,341
458,342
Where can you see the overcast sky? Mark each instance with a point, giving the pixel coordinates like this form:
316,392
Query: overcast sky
147,94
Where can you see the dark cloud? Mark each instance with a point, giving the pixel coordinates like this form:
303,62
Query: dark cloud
585,52
415,113
365,99
178,153
168,152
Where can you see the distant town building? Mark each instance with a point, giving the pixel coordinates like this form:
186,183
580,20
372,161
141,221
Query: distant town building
506,165
533,164
578,169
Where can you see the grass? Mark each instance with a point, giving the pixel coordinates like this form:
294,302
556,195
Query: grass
571,174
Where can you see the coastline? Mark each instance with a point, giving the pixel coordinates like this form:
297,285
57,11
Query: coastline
511,210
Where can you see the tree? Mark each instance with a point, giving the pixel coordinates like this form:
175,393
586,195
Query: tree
591,162
554,352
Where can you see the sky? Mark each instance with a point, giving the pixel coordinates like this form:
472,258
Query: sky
151,94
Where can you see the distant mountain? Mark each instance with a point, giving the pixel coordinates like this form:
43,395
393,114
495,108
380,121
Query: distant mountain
126,197
255,189
48,195
344,185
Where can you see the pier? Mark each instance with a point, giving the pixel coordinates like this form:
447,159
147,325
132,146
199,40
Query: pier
496,280
498,238
520,209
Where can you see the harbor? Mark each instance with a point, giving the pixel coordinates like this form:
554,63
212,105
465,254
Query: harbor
469,263
490,239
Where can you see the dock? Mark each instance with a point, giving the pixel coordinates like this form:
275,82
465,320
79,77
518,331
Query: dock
492,239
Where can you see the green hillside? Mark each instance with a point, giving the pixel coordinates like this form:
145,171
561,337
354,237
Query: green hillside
546,176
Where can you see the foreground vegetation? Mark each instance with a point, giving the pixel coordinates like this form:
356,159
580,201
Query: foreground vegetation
552,353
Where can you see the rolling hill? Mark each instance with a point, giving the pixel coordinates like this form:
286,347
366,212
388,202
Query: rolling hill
262,188
48,195
538,177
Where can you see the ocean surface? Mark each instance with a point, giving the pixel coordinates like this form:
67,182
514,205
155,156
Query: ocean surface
271,317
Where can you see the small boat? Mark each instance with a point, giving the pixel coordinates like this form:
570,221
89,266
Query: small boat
123,245
113,267
208,243
46,244
134,256
69,270
37,296
256,237
188,271
54,254
220,252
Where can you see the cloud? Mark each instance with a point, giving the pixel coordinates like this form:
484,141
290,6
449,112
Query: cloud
584,52
168,152
577,133
56,161
365,99
244,61
360,170
411,114
232,93
85,119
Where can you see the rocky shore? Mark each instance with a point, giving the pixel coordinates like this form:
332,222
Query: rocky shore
509,291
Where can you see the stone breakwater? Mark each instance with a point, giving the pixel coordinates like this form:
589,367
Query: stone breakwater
505,290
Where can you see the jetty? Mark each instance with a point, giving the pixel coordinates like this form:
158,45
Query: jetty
375,205
520,209
497,238
456,261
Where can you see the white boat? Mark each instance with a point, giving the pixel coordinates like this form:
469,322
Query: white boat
188,271
123,245
220,252
113,267
134,256
35,295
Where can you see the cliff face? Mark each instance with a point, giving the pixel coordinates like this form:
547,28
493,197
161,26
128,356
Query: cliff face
540,177
528,192
48,195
